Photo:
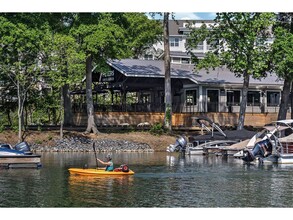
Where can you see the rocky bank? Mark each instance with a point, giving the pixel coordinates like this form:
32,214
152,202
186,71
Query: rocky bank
49,141
82,144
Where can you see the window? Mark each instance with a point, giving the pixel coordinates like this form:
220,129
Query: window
176,60
191,97
145,98
131,97
185,60
199,46
253,98
174,42
233,97
148,57
273,98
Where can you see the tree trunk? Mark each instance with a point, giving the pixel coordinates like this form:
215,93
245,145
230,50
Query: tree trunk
9,117
243,101
284,99
61,112
168,95
291,100
19,112
91,124
68,116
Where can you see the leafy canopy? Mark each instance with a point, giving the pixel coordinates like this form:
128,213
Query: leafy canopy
237,40
282,48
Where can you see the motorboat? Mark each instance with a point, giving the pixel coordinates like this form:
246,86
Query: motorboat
19,149
211,140
276,145
210,131
18,156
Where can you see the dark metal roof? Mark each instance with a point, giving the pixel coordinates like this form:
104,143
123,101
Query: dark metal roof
155,68
151,68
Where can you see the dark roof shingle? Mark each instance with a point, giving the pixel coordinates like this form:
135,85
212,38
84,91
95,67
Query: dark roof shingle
155,68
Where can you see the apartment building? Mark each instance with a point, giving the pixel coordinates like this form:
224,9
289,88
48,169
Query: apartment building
178,34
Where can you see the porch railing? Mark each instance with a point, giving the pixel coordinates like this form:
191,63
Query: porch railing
176,108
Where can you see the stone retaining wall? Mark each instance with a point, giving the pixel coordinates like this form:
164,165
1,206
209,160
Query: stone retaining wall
81,144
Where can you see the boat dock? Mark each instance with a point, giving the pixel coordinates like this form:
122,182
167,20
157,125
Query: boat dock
20,161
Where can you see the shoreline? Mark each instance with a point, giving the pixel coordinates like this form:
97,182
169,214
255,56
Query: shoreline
80,144
76,141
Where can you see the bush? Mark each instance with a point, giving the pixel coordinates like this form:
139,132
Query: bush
38,141
157,129
50,137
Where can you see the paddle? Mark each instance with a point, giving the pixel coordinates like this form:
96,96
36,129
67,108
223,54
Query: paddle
95,153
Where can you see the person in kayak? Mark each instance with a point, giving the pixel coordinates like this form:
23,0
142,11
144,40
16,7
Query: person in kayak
109,164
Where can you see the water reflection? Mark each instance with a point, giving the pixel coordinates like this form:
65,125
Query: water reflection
160,180
98,191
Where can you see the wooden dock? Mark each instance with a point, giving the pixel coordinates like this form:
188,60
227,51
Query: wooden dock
13,161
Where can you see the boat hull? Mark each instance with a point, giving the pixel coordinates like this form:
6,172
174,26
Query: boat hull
277,159
285,159
81,171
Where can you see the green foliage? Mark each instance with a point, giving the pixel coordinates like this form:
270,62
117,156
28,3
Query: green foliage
157,129
20,52
65,61
168,114
41,52
50,137
238,41
282,52
141,32
38,141
114,35
2,123
42,108
14,121
100,35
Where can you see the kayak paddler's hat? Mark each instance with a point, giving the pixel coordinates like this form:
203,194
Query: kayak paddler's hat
108,157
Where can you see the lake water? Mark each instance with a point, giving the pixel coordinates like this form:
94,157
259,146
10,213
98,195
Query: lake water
160,180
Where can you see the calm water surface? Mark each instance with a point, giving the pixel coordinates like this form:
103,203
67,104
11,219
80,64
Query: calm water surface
160,180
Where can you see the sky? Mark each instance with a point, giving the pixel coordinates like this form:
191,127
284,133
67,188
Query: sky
194,15
193,9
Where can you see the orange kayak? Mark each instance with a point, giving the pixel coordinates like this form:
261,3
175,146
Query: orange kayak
81,171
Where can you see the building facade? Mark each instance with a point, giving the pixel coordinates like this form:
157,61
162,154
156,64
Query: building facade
137,85
218,90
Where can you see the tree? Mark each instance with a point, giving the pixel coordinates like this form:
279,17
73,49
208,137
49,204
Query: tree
239,43
142,33
104,36
20,55
100,38
282,58
46,25
167,69
66,67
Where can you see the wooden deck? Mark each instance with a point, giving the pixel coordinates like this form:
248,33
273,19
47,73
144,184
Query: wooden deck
20,161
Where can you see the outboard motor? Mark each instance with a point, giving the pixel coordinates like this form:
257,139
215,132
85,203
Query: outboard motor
261,149
24,147
5,146
180,145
